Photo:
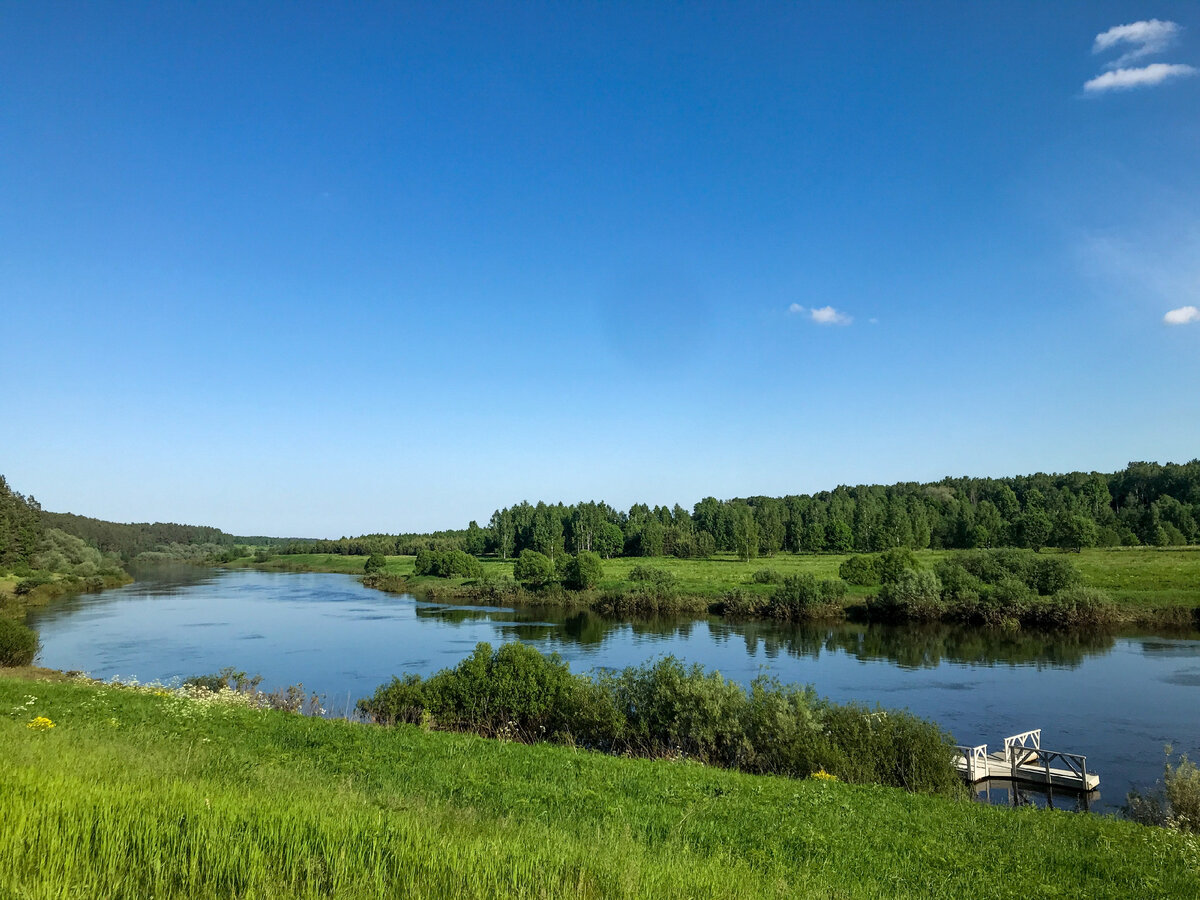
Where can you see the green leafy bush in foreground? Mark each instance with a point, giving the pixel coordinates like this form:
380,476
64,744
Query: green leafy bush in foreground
665,708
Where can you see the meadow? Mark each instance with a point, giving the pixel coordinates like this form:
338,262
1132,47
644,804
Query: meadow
137,793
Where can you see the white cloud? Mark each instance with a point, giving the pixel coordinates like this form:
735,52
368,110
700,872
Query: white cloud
1123,79
823,315
1182,316
1146,38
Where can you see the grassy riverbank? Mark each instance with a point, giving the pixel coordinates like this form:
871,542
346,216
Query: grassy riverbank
1150,586
14,599
136,793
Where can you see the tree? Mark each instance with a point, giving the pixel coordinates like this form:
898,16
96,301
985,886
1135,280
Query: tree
375,563
838,536
1077,532
746,534
610,541
1034,528
474,541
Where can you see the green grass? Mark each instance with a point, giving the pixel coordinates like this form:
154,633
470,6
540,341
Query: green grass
1145,576
138,795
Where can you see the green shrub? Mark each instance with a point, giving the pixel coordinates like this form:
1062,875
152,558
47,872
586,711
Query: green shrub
1175,802
859,569
766,576
667,708
533,569
1051,574
739,604
894,563
912,596
1072,607
446,564
803,597
652,574
18,644
583,571
27,585
375,563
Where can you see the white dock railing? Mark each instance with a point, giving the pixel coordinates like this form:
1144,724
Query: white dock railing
976,760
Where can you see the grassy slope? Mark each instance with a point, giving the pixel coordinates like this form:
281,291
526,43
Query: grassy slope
1140,578
136,795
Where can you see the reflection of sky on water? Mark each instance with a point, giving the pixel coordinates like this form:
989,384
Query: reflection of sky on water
1119,700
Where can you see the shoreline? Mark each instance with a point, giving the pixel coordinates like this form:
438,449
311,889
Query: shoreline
632,601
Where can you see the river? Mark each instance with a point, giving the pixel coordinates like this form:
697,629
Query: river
1117,699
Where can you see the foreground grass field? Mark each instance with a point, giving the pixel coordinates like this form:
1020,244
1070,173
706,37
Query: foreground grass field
146,794
1141,578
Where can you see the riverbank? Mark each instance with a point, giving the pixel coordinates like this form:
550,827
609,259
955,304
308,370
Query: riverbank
1149,587
20,593
138,793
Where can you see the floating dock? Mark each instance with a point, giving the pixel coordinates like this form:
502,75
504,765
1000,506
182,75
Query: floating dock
1024,760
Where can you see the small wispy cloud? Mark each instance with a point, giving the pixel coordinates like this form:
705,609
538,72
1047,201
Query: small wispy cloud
1145,76
1144,38
822,315
1182,316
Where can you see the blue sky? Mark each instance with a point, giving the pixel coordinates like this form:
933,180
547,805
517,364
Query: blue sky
323,269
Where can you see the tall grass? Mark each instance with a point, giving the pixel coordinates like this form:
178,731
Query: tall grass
137,794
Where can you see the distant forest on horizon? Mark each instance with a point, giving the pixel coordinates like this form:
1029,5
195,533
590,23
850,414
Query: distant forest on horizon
1143,504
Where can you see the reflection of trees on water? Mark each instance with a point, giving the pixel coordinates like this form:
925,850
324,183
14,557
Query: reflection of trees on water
570,626
911,646
921,646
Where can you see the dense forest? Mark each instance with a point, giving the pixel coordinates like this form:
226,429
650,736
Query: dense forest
1143,504
28,544
130,540
33,539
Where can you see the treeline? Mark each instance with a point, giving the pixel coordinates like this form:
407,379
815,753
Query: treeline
40,554
128,540
20,527
1143,504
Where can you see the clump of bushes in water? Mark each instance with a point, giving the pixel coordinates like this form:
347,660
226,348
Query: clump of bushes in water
993,587
18,643
447,564
665,708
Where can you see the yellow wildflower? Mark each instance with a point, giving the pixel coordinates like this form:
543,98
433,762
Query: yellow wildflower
822,775
41,723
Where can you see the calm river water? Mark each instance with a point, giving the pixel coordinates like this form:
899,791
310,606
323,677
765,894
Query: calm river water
1116,699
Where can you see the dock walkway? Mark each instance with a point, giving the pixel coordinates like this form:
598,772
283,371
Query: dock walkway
1024,760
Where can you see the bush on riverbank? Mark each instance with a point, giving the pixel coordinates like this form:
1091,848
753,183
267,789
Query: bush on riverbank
664,709
18,643
1175,802
446,564
1006,588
